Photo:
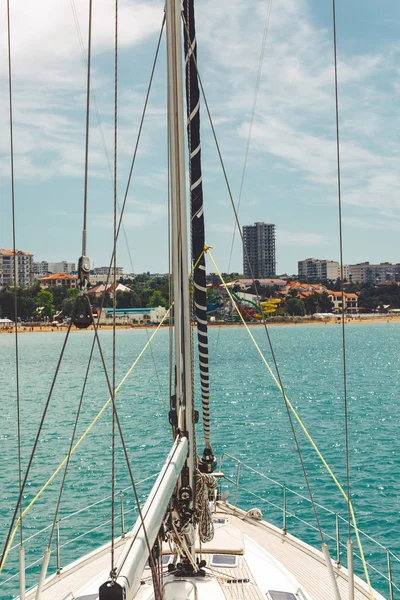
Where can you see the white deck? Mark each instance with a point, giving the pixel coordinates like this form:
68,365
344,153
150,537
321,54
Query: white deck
304,562
303,566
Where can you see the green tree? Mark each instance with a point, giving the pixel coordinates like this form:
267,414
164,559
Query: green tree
44,304
325,305
295,307
128,299
311,304
157,299
59,294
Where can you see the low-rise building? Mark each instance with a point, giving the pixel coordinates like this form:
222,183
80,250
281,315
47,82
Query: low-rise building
103,271
44,267
58,279
21,261
40,268
367,273
132,316
350,302
315,268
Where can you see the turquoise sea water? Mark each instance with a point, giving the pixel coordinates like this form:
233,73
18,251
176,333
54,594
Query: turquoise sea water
249,421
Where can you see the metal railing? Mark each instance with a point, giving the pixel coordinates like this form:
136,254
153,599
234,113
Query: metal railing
340,547
119,495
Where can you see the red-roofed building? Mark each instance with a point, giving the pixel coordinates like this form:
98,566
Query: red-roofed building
350,302
98,290
58,279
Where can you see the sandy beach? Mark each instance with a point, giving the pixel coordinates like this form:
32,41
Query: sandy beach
335,321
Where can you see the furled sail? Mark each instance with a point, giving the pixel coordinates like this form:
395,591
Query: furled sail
197,216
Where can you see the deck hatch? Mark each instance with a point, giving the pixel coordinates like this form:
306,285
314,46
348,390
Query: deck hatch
224,560
275,595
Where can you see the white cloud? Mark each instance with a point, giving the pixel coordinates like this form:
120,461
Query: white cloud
49,82
45,43
301,239
146,214
292,152
295,114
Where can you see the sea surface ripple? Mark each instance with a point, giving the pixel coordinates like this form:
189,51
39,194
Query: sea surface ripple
249,421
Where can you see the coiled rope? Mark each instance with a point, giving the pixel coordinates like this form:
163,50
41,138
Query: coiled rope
204,482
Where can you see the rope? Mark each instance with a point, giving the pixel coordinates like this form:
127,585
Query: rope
253,112
83,252
78,412
303,427
114,337
113,573
346,419
204,482
180,542
87,131
14,258
103,141
160,391
255,286
10,536
133,162
76,446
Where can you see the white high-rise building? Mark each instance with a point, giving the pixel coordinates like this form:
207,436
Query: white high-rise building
259,250
23,264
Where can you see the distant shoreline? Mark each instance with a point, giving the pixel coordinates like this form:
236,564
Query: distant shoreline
336,321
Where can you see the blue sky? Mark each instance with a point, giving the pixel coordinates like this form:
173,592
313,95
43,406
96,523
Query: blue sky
290,178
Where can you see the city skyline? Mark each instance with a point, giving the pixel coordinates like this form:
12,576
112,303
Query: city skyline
290,178
308,269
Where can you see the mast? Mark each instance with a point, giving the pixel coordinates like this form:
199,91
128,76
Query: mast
182,459
180,263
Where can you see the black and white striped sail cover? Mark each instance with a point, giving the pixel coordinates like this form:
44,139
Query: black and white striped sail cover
197,216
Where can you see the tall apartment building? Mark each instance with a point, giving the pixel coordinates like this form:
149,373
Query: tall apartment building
366,273
259,247
23,263
40,268
315,268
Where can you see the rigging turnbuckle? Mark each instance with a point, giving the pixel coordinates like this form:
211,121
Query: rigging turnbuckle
82,316
83,272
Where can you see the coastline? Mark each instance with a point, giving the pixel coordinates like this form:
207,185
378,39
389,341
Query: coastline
336,321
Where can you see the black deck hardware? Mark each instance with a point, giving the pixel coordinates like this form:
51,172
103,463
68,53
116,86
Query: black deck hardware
110,590
186,569
82,316
207,463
